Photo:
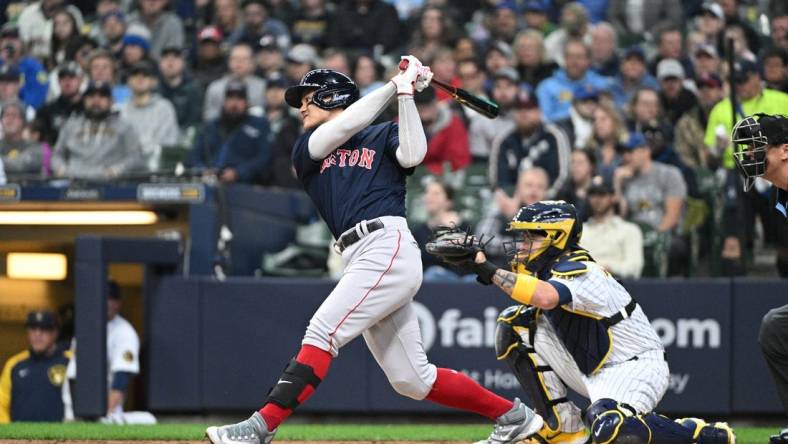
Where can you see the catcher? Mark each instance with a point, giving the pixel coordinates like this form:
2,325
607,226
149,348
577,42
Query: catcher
576,327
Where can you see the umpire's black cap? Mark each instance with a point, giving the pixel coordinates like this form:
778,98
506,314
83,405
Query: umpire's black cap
43,319
775,128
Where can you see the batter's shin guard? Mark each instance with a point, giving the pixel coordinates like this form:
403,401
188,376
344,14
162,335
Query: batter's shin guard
515,332
296,383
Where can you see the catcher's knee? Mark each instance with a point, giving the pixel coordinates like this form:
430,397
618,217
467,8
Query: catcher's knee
611,422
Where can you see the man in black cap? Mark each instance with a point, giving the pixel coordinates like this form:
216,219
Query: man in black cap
31,380
178,86
483,132
614,243
53,115
285,129
234,146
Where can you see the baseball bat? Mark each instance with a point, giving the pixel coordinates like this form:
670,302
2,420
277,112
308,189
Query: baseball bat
463,97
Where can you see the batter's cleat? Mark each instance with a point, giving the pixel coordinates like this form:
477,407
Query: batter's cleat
515,425
705,433
250,431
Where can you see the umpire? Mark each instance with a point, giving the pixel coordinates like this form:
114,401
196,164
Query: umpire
31,380
761,150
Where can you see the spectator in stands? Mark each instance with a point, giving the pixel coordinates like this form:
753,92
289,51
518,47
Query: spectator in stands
779,37
675,99
650,193
152,116
96,144
499,55
210,64
136,49
65,35
706,60
614,243
582,170
241,67
438,201
532,185
730,9
311,23
85,48
645,111
609,131
574,26
22,158
636,22
364,25
530,58
257,21
504,24
54,114
285,129
35,25
234,146
300,59
555,92
535,16
269,57
444,69
226,17
10,86
775,69
604,43
177,86
579,126
484,133
671,46
31,380
166,28
632,76
740,48
101,68
472,77
533,143
435,30
710,23
113,28
12,51
337,60
447,137
367,74
691,127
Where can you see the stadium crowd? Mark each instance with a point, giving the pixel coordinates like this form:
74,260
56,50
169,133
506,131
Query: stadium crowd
621,107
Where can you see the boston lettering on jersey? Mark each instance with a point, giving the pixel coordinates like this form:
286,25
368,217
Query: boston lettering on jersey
360,180
362,158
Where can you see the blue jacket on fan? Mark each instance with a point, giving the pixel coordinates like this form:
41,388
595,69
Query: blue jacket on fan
555,93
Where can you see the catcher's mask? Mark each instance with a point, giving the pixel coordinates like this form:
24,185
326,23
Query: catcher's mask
554,222
751,138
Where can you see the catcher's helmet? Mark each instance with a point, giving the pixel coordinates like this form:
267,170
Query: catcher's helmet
332,89
556,221
751,137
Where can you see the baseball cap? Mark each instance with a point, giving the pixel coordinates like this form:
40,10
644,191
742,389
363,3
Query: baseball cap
535,6
10,73
302,53
585,92
635,51
707,49
268,41
235,88
742,70
667,68
44,319
502,47
276,80
113,290
526,100
507,4
113,14
712,8
211,33
775,128
136,40
69,69
708,81
172,50
9,30
507,73
143,67
599,187
99,87
635,140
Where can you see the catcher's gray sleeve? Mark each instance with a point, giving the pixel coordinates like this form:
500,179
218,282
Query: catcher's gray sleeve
412,140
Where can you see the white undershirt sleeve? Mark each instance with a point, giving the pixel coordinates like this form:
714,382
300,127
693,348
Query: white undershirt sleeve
412,140
330,135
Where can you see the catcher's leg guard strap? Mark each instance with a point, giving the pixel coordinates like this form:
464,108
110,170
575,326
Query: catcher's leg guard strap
521,358
611,422
292,384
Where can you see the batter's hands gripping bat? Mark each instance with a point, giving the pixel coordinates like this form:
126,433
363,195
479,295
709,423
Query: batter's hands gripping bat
463,97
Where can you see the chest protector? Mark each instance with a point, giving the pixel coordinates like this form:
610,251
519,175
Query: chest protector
586,336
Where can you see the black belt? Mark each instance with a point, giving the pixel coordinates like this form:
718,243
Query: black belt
352,236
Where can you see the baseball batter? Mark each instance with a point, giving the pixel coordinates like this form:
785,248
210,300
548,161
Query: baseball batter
355,174
578,327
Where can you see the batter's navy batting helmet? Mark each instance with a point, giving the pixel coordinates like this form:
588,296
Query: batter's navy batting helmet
332,89
555,221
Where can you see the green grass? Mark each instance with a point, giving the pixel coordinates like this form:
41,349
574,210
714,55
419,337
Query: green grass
290,432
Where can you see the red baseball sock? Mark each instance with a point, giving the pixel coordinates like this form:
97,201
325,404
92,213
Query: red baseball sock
455,389
309,355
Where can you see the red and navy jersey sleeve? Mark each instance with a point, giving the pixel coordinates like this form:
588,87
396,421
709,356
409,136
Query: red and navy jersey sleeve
302,162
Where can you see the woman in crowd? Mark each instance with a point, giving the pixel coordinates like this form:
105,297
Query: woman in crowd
609,131
582,169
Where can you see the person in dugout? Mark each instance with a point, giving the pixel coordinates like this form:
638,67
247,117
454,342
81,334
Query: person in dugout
31,380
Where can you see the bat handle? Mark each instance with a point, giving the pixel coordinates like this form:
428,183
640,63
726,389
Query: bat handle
403,64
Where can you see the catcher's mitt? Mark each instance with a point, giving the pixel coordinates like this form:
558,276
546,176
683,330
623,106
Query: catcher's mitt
454,245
